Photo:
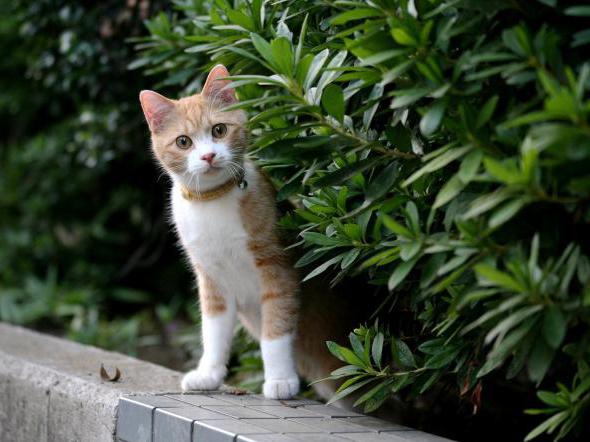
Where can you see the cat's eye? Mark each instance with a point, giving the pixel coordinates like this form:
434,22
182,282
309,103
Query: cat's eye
219,130
184,142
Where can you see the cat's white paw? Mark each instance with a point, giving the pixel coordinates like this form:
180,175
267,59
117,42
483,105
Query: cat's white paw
204,378
281,388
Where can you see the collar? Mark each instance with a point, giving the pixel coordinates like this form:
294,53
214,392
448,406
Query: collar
216,192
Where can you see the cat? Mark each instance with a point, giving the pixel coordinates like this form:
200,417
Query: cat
224,212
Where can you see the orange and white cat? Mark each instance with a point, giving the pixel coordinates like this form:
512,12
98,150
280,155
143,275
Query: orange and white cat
228,230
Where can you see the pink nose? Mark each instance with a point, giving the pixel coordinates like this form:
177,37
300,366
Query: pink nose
208,157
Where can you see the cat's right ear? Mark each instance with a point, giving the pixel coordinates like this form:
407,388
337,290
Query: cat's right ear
156,109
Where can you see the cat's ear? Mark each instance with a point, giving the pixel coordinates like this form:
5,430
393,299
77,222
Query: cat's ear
156,108
215,86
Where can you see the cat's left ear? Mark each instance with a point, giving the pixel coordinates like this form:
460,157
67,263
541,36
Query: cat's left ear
215,86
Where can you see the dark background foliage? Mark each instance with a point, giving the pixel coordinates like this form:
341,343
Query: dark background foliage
82,216
435,152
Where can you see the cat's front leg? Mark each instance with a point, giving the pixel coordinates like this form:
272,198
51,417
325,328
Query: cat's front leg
279,320
218,316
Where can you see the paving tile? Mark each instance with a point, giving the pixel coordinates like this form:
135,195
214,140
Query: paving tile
134,421
330,425
375,424
419,436
157,401
225,430
239,412
258,399
318,437
266,438
330,411
372,437
282,411
247,399
299,402
302,437
171,427
198,399
281,425
195,413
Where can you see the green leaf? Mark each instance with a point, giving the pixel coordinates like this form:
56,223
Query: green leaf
546,425
498,278
354,14
409,250
578,11
539,360
403,37
358,348
322,268
554,326
377,348
505,212
282,55
486,202
400,273
240,19
431,119
402,355
380,57
344,354
333,101
450,190
302,33
470,165
500,352
382,183
349,258
396,227
375,396
438,162
406,97
263,47
315,67
441,359
341,393
511,321
502,172
323,240
486,111
344,173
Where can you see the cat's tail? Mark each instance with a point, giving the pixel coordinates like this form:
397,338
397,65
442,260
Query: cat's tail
324,316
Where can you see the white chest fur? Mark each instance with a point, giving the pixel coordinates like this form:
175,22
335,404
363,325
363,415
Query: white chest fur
214,237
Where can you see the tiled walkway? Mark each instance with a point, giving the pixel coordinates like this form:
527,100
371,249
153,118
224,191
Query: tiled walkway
224,417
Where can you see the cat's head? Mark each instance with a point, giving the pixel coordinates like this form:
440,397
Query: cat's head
196,141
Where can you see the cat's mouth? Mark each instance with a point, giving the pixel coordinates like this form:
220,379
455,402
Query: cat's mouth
212,169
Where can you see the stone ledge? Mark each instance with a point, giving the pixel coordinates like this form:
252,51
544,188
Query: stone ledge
51,390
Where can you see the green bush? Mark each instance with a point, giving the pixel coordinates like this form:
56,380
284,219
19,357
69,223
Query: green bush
439,149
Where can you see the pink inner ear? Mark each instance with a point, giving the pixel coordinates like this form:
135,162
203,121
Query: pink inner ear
214,86
156,108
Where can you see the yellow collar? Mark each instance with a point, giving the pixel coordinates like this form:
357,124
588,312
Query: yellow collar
208,195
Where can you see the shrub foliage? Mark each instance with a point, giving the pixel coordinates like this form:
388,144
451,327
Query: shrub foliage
439,149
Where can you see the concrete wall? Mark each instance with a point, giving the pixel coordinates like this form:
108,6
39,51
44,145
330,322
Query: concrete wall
51,390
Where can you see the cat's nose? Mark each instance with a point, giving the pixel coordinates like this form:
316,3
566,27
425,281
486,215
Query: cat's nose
208,157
